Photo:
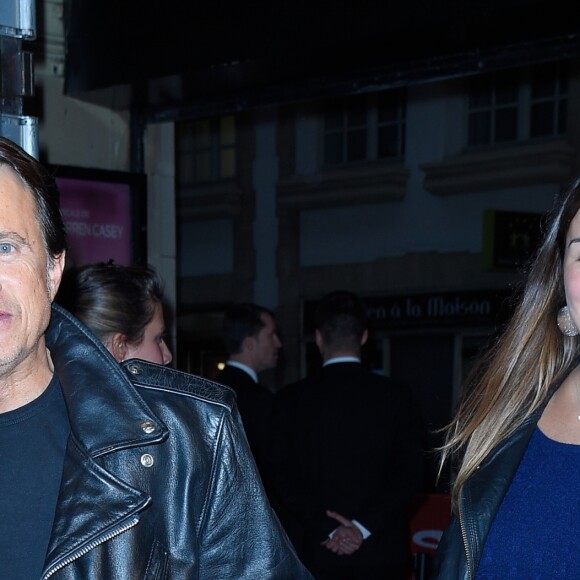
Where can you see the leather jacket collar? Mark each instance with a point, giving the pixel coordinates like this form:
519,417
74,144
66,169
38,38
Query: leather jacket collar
97,392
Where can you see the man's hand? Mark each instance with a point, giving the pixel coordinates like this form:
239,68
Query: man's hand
346,539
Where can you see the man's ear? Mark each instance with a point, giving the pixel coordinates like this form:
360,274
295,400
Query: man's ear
248,344
55,270
118,346
318,338
364,337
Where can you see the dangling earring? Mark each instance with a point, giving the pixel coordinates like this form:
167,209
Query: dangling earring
565,322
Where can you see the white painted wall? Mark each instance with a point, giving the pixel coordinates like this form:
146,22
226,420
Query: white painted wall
206,247
421,221
266,224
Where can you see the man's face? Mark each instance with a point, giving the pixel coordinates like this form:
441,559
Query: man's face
27,288
266,345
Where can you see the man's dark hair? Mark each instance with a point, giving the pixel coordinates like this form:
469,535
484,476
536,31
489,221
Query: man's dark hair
240,321
341,318
42,185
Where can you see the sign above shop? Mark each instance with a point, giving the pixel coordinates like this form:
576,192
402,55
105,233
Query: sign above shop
437,309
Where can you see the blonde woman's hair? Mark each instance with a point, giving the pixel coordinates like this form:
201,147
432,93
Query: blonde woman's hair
512,379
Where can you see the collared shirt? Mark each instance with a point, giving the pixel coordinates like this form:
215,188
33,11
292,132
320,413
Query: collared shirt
243,367
341,359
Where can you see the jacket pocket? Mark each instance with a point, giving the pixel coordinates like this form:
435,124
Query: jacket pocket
158,564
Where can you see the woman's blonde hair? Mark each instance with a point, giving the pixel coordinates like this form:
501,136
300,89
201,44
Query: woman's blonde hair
512,379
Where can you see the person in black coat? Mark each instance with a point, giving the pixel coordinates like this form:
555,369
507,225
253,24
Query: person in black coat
348,456
251,340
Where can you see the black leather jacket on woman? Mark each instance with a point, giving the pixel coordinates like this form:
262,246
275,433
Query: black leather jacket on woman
158,481
461,546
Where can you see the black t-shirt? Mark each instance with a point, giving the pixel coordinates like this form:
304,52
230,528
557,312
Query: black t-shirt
32,447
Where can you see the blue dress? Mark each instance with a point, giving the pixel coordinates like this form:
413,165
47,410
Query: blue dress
535,533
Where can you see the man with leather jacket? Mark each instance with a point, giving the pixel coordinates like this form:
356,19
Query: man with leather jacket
110,471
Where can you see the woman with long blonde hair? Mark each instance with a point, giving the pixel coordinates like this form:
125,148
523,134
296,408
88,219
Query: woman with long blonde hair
516,497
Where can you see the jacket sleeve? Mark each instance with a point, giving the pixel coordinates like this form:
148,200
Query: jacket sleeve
300,512
405,466
240,536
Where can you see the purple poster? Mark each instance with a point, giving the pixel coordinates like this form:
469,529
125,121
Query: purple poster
97,217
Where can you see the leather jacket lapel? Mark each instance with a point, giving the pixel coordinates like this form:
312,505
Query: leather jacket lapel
487,487
93,506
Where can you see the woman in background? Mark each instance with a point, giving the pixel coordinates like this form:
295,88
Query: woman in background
122,306
516,497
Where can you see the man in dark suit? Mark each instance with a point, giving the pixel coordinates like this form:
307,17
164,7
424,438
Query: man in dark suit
251,340
348,456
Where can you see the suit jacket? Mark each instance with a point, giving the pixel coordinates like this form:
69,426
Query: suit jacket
255,403
348,440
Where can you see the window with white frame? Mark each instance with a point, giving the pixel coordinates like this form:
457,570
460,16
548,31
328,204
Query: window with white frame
549,100
518,104
364,128
205,150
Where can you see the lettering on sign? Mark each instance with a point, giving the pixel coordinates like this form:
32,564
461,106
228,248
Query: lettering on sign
85,229
485,307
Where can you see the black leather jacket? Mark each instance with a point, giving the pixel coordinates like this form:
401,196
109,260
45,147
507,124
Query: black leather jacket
158,481
461,546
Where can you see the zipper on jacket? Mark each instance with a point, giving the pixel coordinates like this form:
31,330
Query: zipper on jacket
468,558
105,538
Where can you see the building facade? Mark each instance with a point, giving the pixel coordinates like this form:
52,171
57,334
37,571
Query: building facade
426,198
